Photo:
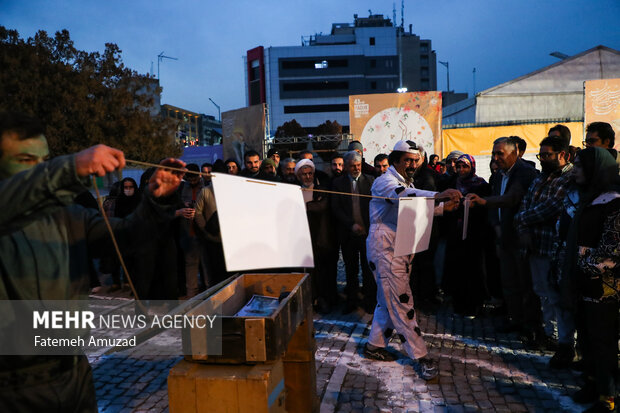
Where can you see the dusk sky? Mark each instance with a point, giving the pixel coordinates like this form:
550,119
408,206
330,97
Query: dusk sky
502,39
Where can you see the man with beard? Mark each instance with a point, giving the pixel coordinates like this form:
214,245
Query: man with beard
337,165
381,164
288,171
535,224
252,164
394,310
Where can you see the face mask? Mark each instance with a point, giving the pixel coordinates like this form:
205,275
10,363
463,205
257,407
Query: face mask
128,192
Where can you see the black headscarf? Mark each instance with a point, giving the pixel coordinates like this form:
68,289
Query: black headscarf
601,175
125,205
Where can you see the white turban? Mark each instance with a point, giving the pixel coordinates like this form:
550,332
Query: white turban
302,163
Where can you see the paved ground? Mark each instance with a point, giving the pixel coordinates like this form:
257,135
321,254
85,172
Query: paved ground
480,371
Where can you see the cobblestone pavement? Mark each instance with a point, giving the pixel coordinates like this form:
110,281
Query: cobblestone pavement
480,370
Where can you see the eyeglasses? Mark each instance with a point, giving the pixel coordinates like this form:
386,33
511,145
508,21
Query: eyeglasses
545,155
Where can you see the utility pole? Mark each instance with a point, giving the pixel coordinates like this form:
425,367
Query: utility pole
161,57
399,34
447,65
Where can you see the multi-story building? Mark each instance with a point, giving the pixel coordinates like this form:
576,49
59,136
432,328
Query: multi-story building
194,129
311,83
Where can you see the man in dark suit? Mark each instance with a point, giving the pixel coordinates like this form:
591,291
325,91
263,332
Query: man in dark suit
351,214
508,190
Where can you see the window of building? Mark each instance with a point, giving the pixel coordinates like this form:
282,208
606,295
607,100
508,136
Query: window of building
325,85
373,62
321,65
373,85
424,60
424,48
372,41
424,71
254,70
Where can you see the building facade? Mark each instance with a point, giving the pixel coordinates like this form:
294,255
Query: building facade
553,92
194,129
311,83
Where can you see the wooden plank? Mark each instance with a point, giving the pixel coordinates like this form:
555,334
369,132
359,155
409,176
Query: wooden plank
255,346
217,388
302,345
300,383
182,388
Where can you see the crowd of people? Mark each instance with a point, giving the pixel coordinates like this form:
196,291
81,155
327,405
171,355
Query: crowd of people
540,247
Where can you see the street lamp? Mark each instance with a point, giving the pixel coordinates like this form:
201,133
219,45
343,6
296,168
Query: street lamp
401,90
447,65
219,118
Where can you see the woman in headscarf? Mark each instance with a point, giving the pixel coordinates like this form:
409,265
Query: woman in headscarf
128,199
590,278
465,275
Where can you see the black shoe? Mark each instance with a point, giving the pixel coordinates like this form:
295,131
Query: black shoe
587,394
563,357
379,354
427,369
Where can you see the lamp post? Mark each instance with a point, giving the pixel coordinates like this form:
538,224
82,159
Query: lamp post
219,117
447,65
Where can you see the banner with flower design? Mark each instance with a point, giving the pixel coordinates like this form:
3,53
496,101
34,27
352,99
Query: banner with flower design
602,103
380,120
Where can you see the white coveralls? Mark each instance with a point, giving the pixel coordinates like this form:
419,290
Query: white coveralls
394,310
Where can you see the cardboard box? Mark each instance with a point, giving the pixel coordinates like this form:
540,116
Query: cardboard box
251,339
220,388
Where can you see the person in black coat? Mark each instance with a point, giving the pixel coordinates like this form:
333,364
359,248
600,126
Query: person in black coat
465,270
352,218
508,190
319,221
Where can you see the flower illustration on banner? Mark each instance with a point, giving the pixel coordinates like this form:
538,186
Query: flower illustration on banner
399,124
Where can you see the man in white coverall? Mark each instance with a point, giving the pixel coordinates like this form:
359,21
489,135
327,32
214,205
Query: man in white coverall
394,309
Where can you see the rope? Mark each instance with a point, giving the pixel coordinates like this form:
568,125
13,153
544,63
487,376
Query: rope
303,189
118,251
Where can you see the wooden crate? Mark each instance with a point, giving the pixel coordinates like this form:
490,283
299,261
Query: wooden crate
251,339
221,388
300,383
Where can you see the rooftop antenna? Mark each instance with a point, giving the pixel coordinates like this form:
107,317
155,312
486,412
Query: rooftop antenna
161,57
394,14
152,74
402,14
